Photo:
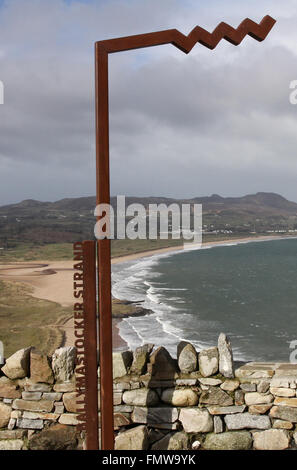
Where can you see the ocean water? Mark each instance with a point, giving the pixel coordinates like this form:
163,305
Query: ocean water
246,290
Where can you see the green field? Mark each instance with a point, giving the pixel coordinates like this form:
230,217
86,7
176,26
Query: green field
64,251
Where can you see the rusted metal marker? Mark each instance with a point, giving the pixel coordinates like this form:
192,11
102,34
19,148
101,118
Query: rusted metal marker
102,49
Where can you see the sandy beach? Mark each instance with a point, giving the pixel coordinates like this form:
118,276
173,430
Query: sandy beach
53,280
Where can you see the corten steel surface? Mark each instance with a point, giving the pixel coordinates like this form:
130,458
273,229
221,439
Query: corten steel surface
90,334
102,49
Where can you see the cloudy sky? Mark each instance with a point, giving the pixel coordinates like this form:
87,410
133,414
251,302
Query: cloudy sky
180,125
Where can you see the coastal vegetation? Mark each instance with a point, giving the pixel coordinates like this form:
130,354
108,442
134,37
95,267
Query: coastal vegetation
27,321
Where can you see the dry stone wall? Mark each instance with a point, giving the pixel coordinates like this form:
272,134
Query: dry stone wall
197,401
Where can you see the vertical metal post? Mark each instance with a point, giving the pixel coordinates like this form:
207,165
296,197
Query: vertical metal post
90,333
103,251
102,49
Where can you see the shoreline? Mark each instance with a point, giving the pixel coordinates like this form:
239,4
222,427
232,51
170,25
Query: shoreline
52,280
179,248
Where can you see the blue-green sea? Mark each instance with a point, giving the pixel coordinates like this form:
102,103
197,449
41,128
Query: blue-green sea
246,290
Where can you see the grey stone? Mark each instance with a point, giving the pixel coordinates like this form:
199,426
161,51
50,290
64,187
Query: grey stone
55,396
209,381
186,382
263,386
218,425
153,416
140,359
167,426
158,383
230,385
7,401
225,410
11,444
15,434
121,361
247,387
59,408
69,400
196,420
259,409
40,415
238,440
255,370
27,405
283,392
135,385
36,387
215,396
133,439
123,408
121,420
247,421
180,397
121,386
283,382
17,365
239,397
63,363
25,423
141,397
69,419
292,402
186,357
209,361
175,441
280,424
284,412
8,389
65,387
11,424
226,366
31,396
255,398
272,439
117,398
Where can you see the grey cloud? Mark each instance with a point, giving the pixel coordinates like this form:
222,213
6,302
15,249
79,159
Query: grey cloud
213,121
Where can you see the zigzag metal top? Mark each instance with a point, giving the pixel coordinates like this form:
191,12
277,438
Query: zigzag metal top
198,34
